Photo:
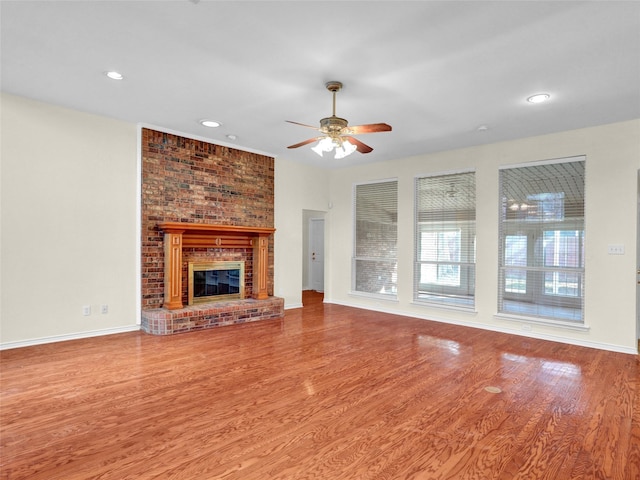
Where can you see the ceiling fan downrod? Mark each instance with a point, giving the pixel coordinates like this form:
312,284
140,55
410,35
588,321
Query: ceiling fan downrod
334,87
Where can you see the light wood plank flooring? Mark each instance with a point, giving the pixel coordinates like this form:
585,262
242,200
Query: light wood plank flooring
328,392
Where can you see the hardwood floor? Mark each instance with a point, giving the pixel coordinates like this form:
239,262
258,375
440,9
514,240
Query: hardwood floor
329,392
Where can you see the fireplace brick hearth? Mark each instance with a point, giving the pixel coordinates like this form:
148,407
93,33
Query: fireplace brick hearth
161,321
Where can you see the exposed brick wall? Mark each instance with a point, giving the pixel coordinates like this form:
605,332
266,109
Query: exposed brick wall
191,181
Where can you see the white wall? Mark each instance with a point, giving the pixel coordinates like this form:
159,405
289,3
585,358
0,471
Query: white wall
69,236
613,159
297,188
68,226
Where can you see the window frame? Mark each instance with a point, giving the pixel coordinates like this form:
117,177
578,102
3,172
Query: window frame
436,293
534,303
389,276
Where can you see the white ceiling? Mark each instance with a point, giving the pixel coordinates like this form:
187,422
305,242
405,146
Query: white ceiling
435,71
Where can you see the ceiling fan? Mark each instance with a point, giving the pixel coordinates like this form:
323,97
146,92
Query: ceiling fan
336,132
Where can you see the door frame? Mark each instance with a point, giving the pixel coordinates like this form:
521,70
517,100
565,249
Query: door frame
638,265
307,215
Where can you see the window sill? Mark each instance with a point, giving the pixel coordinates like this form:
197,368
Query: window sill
542,321
375,296
446,306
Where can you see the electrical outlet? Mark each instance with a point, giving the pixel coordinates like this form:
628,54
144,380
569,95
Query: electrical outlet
616,249
86,310
104,309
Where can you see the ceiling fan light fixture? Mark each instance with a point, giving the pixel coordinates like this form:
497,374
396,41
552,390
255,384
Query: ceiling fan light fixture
342,147
347,148
318,149
325,144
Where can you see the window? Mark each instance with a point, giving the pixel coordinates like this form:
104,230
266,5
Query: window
542,238
375,260
445,226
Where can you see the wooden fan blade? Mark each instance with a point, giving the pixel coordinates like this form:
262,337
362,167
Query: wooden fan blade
302,124
361,147
306,142
370,128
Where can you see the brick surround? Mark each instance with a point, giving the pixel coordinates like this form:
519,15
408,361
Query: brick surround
191,181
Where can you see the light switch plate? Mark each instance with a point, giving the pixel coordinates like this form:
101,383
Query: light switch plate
615,249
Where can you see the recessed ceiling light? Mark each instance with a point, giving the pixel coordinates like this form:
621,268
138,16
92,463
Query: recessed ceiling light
210,123
231,136
114,75
538,98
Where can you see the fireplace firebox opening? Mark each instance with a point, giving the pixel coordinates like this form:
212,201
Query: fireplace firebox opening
215,281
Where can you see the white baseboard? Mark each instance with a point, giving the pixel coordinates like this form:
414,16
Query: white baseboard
292,305
71,336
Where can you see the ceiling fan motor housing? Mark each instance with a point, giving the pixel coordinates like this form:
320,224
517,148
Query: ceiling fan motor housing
332,125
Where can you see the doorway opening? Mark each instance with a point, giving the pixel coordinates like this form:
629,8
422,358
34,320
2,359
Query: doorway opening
313,251
311,297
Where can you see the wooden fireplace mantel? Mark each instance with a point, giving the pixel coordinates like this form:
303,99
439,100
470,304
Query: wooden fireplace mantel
178,235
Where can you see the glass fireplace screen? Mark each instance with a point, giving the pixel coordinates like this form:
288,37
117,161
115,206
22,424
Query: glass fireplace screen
209,282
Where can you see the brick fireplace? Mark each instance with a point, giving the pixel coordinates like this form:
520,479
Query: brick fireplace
216,204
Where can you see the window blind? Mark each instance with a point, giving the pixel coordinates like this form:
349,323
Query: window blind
542,235
376,238
445,226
